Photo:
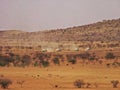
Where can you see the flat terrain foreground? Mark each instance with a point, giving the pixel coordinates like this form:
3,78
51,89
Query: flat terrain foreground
61,77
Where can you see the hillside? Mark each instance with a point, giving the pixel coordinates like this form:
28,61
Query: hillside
106,30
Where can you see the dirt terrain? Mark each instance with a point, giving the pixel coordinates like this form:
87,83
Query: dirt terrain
62,77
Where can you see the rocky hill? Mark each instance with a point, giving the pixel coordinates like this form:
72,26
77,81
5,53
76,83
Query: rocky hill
106,30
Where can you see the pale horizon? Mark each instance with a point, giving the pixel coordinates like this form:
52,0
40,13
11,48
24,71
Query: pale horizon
36,15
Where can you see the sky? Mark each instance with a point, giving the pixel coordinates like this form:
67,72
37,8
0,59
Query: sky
36,15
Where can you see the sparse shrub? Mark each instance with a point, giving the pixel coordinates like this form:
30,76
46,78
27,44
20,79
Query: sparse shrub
45,63
88,85
92,58
56,86
71,56
108,65
116,64
73,61
5,83
36,64
26,60
110,55
40,56
85,55
21,83
115,83
79,83
17,57
4,60
56,60
11,54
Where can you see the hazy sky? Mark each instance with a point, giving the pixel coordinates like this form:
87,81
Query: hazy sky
34,15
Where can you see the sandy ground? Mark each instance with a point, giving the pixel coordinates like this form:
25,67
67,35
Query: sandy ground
37,78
